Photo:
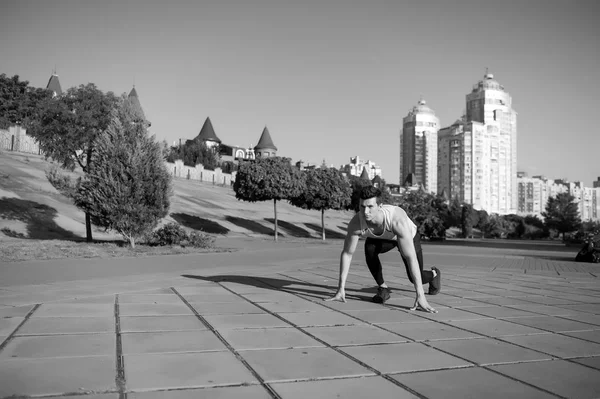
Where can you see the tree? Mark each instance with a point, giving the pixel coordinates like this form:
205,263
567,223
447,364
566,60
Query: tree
70,126
194,152
19,102
467,220
562,214
264,179
128,190
426,211
325,189
356,185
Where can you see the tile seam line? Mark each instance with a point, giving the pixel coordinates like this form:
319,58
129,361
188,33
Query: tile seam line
14,332
120,378
326,344
231,349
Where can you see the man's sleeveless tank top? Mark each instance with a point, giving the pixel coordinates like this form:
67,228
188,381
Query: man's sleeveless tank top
388,216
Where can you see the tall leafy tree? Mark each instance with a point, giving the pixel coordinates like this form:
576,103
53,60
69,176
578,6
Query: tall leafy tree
70,126
426,210
562,214
129,187
19,102
265,179
326,188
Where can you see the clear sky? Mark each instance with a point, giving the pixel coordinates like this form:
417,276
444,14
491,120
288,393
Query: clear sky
331,79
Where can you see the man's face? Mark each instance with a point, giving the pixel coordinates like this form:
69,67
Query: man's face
369,208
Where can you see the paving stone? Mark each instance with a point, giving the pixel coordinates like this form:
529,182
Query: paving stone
351,304
269,296
505,301
57,375
247,392
544,310
324,318
501,312
356,335
561,377
347,388
306,363
488,351
455,302
593,335
268,338
59,346
213,298
244,321
75,310
384,315
160,323
593,319
299,305
226,308
593,308
556,345
151,309
149,298
454,314
8,325
546,300
428,331
463,383
15,311
171,341
554,324
105,299
202,289
593,362
496,327
67,325
184,370
404,357
90,396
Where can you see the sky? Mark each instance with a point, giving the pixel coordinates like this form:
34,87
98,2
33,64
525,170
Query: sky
331,79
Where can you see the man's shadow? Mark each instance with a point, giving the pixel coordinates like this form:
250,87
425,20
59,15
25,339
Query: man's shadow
319,291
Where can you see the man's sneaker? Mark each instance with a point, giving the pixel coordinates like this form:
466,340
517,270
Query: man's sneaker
436,284
383,294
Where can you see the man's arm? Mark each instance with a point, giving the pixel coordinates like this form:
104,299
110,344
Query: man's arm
406,245
350,243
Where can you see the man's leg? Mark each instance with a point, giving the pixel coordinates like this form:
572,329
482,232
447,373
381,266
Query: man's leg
431,277
373,248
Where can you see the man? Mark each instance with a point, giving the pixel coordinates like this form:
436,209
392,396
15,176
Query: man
386,227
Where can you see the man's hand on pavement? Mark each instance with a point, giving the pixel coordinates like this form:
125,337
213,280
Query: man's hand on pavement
422,304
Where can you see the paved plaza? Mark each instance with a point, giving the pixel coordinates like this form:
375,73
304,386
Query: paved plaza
253,324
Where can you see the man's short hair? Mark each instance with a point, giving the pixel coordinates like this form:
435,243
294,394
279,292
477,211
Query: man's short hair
370,192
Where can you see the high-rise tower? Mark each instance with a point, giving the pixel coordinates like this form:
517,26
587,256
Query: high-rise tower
418,146
491,105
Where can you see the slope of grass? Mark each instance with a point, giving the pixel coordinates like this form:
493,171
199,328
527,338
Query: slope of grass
37,222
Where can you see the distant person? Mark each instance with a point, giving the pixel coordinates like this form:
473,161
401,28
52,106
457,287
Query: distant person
386,227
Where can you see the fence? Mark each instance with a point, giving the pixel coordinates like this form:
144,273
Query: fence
178,170
16,139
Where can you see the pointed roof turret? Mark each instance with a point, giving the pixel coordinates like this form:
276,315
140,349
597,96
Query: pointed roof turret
265,141
365,174
54,85
207,133
135,103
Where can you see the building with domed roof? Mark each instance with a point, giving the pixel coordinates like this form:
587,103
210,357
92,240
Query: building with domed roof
477,155
418,146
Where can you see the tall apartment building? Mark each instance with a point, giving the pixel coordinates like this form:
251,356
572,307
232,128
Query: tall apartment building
418,147
477,155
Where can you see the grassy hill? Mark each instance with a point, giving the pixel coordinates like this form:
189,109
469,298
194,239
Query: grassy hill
31,208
